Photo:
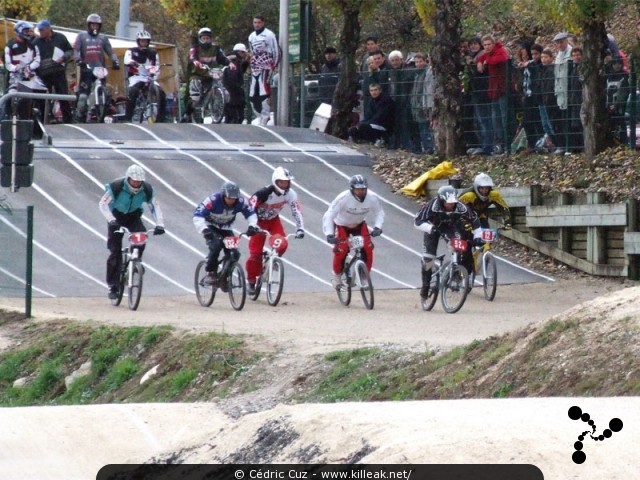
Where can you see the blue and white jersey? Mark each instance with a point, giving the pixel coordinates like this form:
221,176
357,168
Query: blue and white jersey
212,211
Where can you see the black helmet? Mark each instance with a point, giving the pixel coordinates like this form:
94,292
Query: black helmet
358,181
447,194
230,190
94,18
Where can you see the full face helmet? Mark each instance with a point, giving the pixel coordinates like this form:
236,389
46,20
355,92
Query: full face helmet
230,190
482,180
203,32
94,18
239,47
135,176
24,30
447,198
143,35
279,176
358,182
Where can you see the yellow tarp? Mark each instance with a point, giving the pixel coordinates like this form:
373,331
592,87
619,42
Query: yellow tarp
416,188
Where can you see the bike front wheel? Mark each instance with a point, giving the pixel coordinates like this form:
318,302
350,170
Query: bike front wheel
135,284
101,104
151,111
344,289
489,276
455,288
275,282
205,292
363,278
237,285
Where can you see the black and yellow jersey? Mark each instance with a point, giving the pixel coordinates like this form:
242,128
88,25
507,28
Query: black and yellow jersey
481,207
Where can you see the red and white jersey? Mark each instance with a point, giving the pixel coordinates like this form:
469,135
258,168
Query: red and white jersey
346,211
268,204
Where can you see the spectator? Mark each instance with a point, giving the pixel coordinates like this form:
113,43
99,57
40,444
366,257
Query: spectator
378,73
421,102
543,88
576,80
233,80
478,86
55,52
563,56
530,110
371,45
378,120
265,57
329,75
494,60
617,95
400,83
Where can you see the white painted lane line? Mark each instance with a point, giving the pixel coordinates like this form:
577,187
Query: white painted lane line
24,282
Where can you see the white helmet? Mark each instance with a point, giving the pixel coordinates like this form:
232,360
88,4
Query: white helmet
143,35
281,173
205,31
135,173
447,194
239,47
482,180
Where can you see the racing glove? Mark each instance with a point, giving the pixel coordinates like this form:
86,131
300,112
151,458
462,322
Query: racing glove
477,242
208,234
158,230
331,239
252,230
299,233
376,232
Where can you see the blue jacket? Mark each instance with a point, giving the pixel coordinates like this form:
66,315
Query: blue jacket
212,211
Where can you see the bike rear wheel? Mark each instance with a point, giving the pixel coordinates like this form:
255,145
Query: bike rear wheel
135,287
364,283
204,291
489,276
237,285
434,287
454,288
275,282
344,290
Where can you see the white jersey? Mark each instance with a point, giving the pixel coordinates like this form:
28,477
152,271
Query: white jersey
265,52
268,204
346,211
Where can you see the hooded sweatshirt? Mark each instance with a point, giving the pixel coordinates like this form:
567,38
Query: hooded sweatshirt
496,65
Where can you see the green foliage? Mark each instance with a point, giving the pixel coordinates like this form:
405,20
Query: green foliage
181,380
31,10
121,372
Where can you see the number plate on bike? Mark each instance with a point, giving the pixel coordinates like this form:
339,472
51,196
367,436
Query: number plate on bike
276,241
138,238
356,241
489,235
216,73
231,242
458,244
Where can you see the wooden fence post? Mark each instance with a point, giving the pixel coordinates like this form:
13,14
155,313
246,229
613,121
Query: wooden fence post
564,233
633,261
596,237
536,200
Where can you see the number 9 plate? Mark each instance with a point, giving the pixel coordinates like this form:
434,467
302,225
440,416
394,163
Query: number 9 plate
356,241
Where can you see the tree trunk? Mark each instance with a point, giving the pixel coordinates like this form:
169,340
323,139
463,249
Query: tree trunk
595,121
344,97
448,87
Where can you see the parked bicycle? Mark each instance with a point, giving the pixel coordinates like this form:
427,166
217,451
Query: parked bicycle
449,278
356,274
272,270
485,261
148,103
231,278
212,100
132,270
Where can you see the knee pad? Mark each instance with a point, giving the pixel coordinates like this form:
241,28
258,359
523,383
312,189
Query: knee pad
427,262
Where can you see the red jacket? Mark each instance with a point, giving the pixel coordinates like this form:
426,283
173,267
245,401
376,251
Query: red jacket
496,67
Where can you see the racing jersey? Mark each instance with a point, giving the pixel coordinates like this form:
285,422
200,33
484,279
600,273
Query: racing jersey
211,55
126,202
212,211
268,204
348,212
265,51
433,215
91,50
17,56
137,57
481,207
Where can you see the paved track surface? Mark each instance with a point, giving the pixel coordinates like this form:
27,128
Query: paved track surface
185,162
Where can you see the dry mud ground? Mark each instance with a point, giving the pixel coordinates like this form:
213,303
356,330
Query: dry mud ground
74,442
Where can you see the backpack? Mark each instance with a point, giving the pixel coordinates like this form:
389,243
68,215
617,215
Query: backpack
118,185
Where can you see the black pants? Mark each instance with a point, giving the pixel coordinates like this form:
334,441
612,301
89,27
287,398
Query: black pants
363,131
215,247
233,113
133,222
57,83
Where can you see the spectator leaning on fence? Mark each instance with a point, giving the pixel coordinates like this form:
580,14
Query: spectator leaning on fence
421,102
563,55
400,82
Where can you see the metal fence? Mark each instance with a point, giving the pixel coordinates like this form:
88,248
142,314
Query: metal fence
525,116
